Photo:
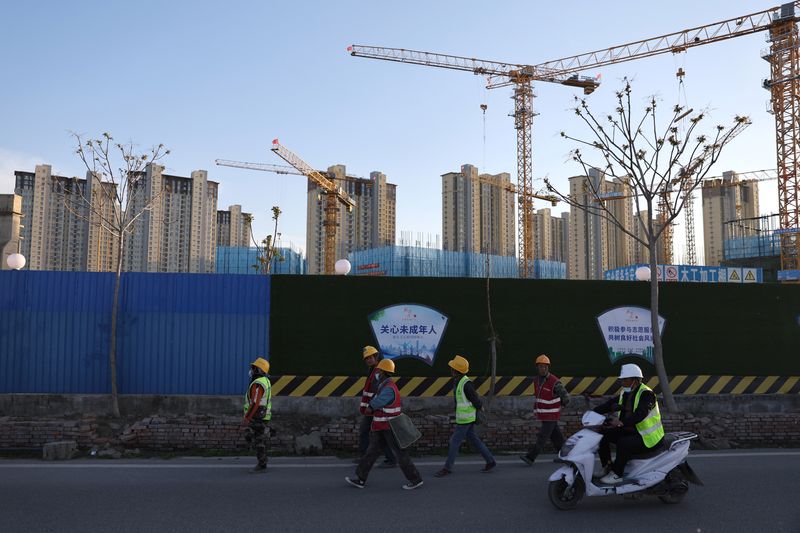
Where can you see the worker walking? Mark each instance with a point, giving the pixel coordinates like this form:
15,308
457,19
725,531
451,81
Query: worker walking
371,358
384,405
468,403
550,396
258,411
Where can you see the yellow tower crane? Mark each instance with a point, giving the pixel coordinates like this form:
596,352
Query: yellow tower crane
334,196
784,86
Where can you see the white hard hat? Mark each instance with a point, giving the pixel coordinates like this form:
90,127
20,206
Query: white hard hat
630,371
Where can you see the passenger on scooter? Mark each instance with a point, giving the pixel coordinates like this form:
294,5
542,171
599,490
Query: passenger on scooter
638,428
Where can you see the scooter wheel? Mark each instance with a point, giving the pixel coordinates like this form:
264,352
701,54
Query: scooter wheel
565,497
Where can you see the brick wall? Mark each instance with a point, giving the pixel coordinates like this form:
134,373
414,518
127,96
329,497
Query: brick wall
506,431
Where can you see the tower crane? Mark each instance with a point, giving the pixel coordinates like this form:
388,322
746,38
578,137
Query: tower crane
784,86
334,196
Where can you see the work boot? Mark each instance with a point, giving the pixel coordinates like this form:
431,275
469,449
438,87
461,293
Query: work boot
488,467
442,473
259,469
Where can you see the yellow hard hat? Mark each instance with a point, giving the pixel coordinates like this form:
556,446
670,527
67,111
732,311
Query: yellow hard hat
387,365
542,360
459,364
369,350
261,363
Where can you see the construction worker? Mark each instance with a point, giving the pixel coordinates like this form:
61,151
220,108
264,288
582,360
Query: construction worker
385,405
371,358
638,428
467,405
549,397
258,411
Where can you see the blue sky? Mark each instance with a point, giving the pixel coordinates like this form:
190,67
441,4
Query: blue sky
222,79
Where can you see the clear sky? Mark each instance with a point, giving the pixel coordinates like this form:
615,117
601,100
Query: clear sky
222,79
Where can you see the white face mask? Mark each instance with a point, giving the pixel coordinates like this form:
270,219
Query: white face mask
626,389
251,374
378,376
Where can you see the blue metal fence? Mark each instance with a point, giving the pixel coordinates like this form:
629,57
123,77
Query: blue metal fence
176,333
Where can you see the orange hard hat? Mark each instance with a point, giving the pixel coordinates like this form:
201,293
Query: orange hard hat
542,360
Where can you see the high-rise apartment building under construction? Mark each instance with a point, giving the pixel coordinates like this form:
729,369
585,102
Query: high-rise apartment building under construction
724,200
595,243
478,212
371,223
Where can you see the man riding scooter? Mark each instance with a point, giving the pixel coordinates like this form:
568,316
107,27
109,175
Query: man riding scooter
638,429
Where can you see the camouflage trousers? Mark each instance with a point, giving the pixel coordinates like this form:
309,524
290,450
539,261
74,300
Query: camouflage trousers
257,435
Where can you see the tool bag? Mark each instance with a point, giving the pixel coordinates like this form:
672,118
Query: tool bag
404,430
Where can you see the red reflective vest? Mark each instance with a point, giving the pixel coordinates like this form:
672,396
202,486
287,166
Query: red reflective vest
547,405
380,418
367,393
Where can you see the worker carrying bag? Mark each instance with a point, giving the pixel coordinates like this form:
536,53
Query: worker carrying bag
404,430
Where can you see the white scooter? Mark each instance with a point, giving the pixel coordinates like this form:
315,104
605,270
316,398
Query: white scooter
662,472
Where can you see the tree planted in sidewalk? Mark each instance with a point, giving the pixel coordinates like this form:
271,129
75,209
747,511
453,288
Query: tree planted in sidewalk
113,199
660,162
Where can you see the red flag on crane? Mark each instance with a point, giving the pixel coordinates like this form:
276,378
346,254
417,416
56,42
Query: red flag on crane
275,141
350,48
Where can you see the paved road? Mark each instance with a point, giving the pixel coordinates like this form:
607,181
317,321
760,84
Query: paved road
750,491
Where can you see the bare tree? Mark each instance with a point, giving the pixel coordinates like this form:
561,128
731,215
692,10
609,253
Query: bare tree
660,162
266,251
118,170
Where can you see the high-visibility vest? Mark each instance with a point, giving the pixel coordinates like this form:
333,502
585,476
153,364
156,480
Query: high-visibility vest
381,417
547,405
465,411
266,399
367,393
651,429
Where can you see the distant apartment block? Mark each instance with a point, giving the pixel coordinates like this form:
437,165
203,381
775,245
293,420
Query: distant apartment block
478,213
550,236
178,233
10,226
724,200
371,223
233,228
62,228
595,243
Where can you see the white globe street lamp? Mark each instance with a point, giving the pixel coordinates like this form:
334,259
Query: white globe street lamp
16,261
342,267
643,273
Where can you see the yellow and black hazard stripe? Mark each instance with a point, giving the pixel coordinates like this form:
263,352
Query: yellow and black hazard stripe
348,386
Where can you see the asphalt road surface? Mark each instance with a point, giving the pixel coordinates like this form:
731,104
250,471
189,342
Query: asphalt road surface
748,491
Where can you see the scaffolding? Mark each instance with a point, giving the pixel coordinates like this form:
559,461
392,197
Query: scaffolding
752,237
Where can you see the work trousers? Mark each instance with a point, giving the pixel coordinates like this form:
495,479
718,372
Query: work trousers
628,443
378,441
548,430
259,439
363,440
460,433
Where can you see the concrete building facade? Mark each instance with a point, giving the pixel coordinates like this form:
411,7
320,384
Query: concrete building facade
233,228
10,227
724,200
178,233
478,212
63,227
550,236
371,223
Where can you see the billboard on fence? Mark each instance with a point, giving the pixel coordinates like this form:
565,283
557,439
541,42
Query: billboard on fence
408,330
627,331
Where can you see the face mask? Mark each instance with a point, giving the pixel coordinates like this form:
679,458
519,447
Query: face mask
250,374
378,376
626,389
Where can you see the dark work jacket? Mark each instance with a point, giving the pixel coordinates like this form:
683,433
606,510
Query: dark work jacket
627,415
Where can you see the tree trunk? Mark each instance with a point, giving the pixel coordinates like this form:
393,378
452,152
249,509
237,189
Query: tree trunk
112,352
658,354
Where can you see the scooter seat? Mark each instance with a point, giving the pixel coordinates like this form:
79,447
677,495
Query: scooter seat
655,450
